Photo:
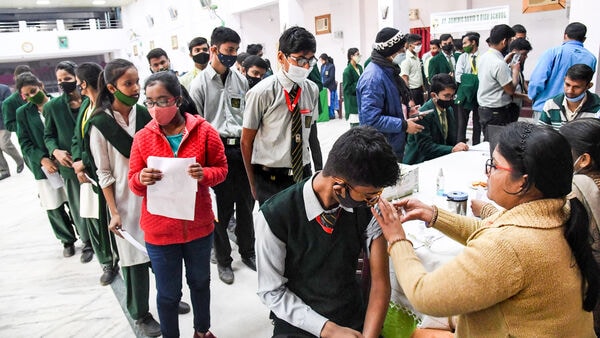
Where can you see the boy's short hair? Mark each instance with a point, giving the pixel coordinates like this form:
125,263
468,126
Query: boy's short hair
440,82
156,53
197,41
580,72
255,60
254,49
221,35
363,156
499,33
297,39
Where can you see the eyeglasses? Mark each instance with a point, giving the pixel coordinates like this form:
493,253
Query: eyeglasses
489,164
301,61
160,102
370,199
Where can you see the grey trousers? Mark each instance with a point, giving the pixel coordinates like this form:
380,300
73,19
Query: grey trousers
6,146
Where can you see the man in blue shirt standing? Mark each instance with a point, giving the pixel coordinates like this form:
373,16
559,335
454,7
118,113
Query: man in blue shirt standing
548,76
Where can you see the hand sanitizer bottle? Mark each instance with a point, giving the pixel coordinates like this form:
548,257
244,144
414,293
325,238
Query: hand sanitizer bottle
440,183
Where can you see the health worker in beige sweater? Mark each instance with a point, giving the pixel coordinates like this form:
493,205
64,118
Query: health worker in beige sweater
526,271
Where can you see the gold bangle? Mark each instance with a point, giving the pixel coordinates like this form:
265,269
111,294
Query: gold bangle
396,240
433,218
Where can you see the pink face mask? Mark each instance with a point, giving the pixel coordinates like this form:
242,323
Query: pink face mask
163,115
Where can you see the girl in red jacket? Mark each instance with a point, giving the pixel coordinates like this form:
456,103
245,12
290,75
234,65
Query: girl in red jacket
175,133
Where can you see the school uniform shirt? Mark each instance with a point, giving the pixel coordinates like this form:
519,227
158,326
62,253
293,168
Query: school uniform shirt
221,104
493,74
465,65
267,112
411,67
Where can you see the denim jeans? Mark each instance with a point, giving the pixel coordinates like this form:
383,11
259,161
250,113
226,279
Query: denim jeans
166,263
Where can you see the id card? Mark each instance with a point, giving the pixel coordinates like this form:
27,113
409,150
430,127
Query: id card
236,102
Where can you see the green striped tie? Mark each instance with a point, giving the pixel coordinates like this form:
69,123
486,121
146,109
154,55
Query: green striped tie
296,146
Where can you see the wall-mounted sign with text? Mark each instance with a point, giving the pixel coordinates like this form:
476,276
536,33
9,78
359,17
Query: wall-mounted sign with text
478,19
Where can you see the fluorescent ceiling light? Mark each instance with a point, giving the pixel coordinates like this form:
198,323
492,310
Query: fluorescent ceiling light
98,2
43,2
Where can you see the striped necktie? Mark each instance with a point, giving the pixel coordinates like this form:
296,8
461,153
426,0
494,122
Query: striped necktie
327,220
296,144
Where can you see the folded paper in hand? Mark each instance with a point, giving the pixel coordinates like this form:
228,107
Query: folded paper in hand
175,194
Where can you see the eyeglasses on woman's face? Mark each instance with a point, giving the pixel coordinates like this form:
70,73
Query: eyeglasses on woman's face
489,165
161,102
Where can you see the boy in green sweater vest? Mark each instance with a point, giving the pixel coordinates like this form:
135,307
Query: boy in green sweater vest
311,236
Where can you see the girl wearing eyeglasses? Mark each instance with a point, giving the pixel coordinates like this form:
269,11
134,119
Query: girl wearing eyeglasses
526,270
175,133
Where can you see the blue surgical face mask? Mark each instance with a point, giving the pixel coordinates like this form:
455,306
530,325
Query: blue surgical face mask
575,99
399,58
227,60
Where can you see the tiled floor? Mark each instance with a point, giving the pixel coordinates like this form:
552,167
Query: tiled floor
43,294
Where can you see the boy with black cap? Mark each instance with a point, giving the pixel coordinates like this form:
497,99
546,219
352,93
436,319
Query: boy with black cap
383,96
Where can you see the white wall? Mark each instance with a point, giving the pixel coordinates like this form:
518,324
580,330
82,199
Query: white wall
585,11
261,26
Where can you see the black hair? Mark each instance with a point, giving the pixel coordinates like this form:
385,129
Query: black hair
27,79
363,156
197,41
576,31
499,33
20,69
67,66
518,28
457,44
445,37
580,72
156,53
520,44
324,56
254,49
435,42
221,35
113,70
255,60
351,52
171,83
89,72
440,82
410,38
241,57
584,137
473,37
532,149
297,39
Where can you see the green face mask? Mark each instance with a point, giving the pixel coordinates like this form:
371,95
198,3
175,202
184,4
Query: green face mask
129,101
38,98
468,49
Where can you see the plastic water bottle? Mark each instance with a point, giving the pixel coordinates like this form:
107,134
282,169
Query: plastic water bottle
440,183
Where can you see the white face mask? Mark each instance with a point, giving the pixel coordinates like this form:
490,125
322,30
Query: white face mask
399,58
356,58
418,49
575,170
297,74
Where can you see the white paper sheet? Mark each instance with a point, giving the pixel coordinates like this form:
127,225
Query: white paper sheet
133,242
89,205
56,181
175,194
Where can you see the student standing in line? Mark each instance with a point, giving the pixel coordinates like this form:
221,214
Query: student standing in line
112,125
30,131
175,133
329,82
199,53
352,72
6,145
60,116
219,94
13,102
101,238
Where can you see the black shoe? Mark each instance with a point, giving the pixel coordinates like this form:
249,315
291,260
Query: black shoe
109,274
87,253
250,262
20,167
225,274
3,176
69,250
183,308
148,325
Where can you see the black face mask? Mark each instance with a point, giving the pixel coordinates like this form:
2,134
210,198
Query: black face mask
347,201
68,87
201,58
504,50
252,81
448,48
444,103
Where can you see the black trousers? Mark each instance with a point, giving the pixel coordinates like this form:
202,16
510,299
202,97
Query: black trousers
462,118
315,148
493,116
235,190
270,181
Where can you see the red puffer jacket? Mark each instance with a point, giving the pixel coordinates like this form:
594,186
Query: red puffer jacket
201,141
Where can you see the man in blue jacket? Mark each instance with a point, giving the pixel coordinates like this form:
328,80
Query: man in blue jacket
547,78
383,97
